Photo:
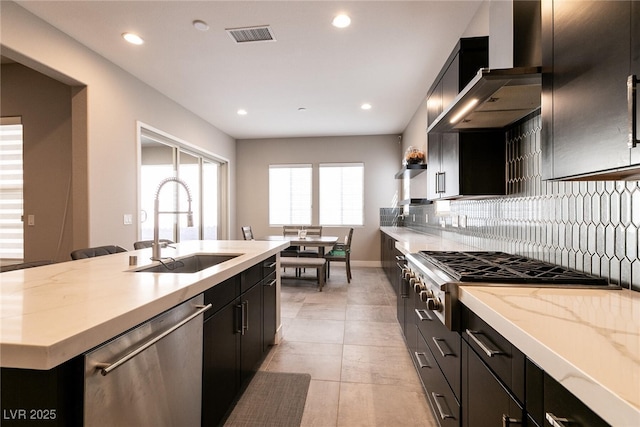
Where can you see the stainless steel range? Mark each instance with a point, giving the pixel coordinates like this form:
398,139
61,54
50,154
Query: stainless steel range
437,274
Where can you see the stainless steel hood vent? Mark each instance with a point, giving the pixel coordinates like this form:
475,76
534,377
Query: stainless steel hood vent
493,99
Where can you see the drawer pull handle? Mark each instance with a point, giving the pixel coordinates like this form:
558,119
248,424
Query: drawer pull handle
272,265
507,421
446,412
271,283
447,351
423,315
632,98
486,348
555,421
422,364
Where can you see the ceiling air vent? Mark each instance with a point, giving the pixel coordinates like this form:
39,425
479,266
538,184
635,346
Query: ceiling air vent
263,33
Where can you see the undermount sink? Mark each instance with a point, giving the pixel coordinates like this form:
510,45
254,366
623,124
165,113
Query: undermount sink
189,264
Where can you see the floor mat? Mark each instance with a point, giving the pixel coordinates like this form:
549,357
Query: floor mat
273,399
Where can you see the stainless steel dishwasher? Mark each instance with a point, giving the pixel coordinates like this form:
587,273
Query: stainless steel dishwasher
150,375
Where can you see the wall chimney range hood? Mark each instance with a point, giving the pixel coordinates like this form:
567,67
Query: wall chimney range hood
493,99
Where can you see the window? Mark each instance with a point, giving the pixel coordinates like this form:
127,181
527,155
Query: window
342,194
11,185
290,194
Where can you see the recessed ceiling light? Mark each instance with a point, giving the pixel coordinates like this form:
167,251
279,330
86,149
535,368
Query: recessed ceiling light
133,38
341,21
242,112
366,106
200,25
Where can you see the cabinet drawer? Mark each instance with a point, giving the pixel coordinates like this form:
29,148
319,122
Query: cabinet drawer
250,277
506,361
560,403
221,295
444,345
269,266
445,406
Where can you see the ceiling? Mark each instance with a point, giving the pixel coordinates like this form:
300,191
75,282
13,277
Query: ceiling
388,57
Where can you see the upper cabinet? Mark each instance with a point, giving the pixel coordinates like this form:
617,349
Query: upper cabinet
590,51
462,164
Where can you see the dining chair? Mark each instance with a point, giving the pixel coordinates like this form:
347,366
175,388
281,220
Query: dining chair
312,231
143,244
23,265
96,251
341,252
247,233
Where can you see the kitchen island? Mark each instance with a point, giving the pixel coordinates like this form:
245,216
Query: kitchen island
53,313
588,340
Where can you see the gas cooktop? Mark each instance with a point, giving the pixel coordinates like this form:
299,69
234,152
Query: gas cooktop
505,268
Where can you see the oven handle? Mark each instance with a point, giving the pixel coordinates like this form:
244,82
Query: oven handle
486,348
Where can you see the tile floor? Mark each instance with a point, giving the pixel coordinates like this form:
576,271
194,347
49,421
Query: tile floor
347,337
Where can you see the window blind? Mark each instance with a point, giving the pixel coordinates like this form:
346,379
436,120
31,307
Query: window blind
11,191
290,194
342,194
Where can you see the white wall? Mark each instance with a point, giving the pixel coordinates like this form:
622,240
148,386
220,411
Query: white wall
116,101
381,157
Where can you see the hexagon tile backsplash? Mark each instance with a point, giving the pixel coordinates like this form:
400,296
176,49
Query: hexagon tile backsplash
590,226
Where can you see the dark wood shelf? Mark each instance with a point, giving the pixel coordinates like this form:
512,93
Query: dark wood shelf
411,170
414,202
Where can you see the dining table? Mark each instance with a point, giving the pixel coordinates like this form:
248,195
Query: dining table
320,242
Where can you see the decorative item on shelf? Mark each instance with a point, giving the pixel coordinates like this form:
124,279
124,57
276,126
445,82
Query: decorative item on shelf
413,156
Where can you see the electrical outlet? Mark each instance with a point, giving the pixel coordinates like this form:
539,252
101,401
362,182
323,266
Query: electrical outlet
463,221
426,218
128,219
454,220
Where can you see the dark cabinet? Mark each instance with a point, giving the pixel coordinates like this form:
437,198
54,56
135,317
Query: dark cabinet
237,332
590,48
444,404
548,402
390,258
221,350
486,400
462,164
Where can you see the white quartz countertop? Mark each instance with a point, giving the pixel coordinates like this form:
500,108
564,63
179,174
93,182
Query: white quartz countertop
586,339
409,241
53,313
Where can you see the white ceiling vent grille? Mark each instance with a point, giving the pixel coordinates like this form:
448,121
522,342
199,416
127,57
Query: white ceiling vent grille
263,33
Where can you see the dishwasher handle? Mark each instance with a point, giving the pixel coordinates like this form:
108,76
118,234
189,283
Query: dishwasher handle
105,368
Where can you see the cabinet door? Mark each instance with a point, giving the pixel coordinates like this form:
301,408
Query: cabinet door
485,400
559,403
269,325
434,142
251,346
635,70
221,350
450,168
590,63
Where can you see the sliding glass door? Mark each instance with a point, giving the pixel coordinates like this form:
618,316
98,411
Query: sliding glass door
162,158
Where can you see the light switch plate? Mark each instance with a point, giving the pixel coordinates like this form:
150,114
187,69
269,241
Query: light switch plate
128,219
